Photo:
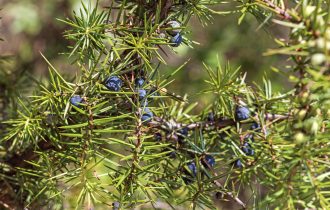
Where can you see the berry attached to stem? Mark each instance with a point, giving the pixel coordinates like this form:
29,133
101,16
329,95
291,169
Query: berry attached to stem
242,113
147,115
193,169
176,40
76,100
175,27
139,82
142,94
113,83
209,159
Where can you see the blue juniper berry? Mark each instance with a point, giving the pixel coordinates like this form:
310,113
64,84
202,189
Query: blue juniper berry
116,205
209,159
189,175
175,27
113,83
238,163
255,127
172,155
76,100
147,115
242,113
193,169
210,117
247,149
139,82
158,136
176,40
142,94
182,134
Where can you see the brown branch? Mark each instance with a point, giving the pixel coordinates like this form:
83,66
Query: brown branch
278,10
220,123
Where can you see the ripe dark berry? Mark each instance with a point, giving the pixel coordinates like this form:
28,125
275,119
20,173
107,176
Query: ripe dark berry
182,134
242,113
142,94
176,40
188,175
209,160
139,82
251,152
158,136
247,149
175,25
76,100
193,169
172,155
255,127
147,115
116,205
238,163
210,117
183,131
113,83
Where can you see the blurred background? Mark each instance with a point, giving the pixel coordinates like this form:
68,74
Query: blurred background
30,27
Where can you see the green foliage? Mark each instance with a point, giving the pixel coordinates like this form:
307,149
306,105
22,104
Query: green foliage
104,153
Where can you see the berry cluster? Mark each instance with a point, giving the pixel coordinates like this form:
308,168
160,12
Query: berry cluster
178,133
114,83
207,162
243,113
147,115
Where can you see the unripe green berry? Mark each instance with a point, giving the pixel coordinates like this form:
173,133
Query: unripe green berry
308,10
318,59
320,21
322,44
303,98
327,34
299,138
302,114
314,127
